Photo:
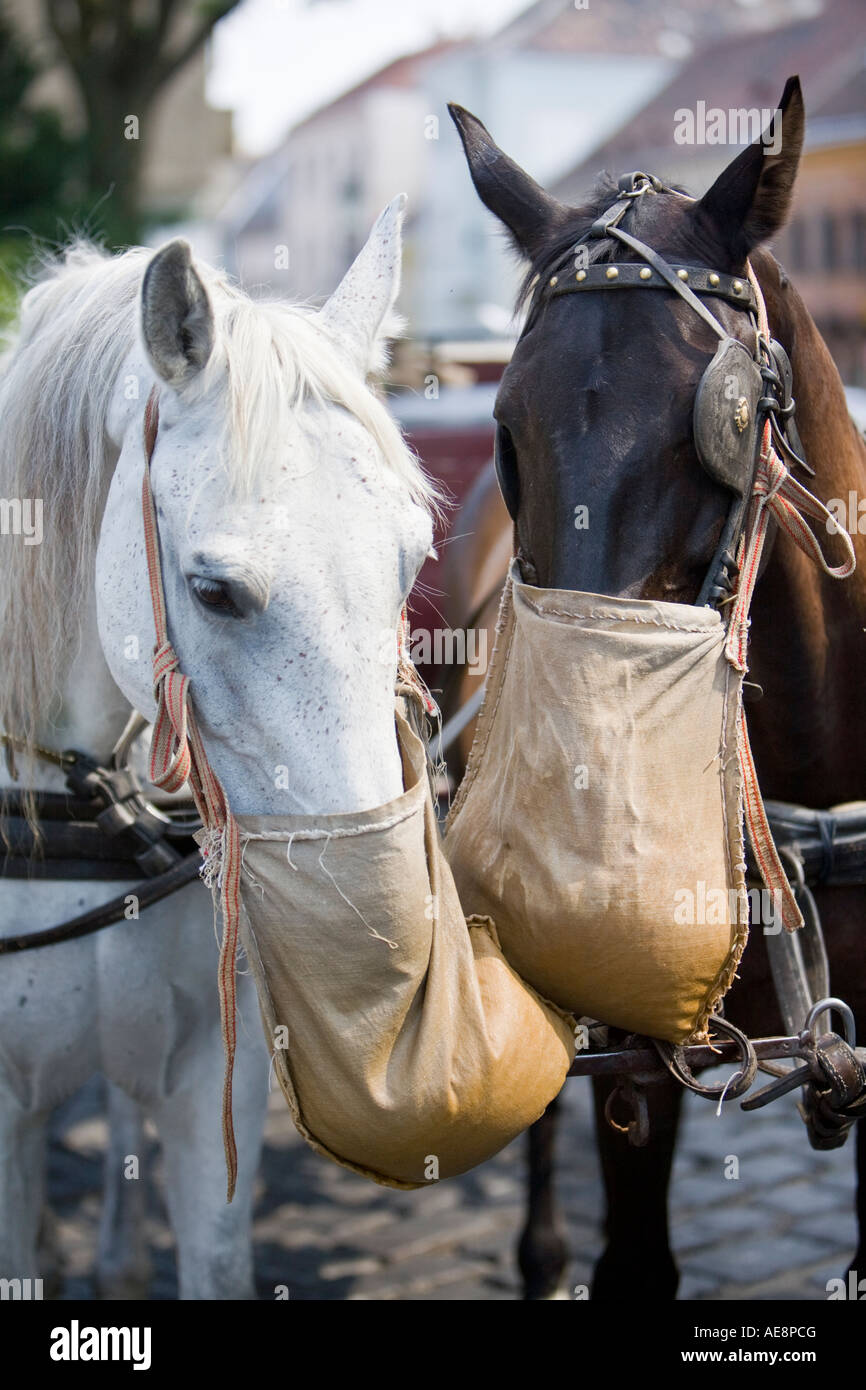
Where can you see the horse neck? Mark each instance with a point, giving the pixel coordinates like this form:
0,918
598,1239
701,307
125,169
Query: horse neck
807,646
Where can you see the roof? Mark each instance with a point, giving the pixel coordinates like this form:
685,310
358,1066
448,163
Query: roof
731,74
642,26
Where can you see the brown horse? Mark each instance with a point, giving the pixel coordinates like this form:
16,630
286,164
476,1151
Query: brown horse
596,407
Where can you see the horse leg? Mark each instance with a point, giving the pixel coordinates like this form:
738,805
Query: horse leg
636,1184
22,1189
542,1251
122,1260
214,1238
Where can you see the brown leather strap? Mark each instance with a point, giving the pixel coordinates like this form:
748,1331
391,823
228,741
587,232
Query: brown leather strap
151,423
150,892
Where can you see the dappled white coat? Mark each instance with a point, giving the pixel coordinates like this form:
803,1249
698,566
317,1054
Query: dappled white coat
285,494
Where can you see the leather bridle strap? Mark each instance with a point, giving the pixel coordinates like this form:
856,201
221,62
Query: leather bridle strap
177,755
661,267
151,891
774,493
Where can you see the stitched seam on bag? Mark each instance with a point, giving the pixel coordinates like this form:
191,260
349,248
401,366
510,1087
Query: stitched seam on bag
484,727
543,612
315,833
488,723
727,971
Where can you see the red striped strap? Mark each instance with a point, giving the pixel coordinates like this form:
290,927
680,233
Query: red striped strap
177,755
775,494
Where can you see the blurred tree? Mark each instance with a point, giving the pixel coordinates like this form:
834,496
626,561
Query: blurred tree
40,168
41,172
121,53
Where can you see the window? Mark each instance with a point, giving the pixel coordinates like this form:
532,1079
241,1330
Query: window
858,240
797,243
829,241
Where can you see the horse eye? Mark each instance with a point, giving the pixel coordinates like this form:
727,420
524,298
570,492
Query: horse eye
214,594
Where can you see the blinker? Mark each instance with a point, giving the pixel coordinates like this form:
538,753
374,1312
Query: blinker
724,413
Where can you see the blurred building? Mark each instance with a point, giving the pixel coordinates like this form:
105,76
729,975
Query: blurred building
551,85
186,136
299,216
824,247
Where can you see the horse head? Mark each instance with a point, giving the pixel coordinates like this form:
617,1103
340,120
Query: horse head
292,521
596,411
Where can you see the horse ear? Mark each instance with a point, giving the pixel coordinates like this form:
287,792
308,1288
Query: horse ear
356,313
517,200
176,315
751,198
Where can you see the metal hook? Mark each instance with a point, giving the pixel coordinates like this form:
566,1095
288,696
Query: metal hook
842,1009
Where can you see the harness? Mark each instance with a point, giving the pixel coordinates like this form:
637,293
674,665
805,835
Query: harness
102,828
744,443
728,433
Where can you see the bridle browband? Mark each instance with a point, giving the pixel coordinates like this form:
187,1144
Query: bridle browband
728,454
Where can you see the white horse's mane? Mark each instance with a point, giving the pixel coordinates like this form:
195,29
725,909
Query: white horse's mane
58,374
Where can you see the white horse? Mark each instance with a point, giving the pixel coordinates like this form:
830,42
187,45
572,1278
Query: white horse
293,521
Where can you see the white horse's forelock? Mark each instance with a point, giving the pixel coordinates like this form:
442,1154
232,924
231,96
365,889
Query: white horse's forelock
58,374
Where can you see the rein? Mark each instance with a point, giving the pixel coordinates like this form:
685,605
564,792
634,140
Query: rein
177,755
775,493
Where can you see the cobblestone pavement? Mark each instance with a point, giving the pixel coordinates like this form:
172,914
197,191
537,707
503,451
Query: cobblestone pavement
779,1231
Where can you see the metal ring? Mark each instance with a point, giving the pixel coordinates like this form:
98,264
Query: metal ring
608,1112
735,1086
842,1009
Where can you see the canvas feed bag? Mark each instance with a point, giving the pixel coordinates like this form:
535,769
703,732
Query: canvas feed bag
406,1046
599,822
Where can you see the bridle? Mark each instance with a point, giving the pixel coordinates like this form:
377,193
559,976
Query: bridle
728,432
736,441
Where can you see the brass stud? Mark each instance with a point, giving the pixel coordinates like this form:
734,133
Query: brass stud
554,280
714,279
737,286
612,273
645,273
682,275
581,275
